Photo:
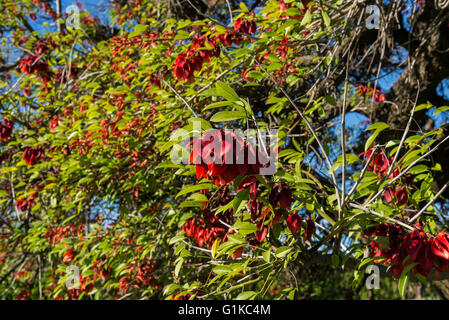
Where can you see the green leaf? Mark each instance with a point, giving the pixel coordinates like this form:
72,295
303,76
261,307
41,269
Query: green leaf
326,18
243,7
379,126
226,91
266,255
178,266
255,75
223,116
282,251
238,200
217,105
246,295
245,228
195,187
403,279
422,107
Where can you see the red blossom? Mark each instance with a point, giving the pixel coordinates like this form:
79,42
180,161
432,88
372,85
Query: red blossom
6,129
280,195
413,243
248,27
310,229
401,196
33,155
440,246
294,222
426,259
263,231
222,157
389,195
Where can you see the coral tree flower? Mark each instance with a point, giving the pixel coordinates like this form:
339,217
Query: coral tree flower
6,129
294,223
440,246
222,157
33,155
310,229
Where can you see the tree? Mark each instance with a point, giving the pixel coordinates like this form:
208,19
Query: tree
222,150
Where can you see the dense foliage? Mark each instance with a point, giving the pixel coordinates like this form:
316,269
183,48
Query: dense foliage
95,120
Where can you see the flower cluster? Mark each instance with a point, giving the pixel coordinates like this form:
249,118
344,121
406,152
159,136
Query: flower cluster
399,196
370,93
223,156
33,155
204,47
280,199
45,6
140,273
24,204
34,65
405,248
192,60
56,233
6,129
206,229
380,164
245,26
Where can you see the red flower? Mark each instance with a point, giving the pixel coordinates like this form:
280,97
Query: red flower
381,164
183,70
252,182
27,91
222,156
54,123
283,6
426,259
389,195
294,222
402,196
440,246
283,197
370,93
277,216
33,65
413,243
237,253
248,27
24,204
310,229
193,59
397,261
68,255
33,155
361,90
255,209
394,174
6,129
262,233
